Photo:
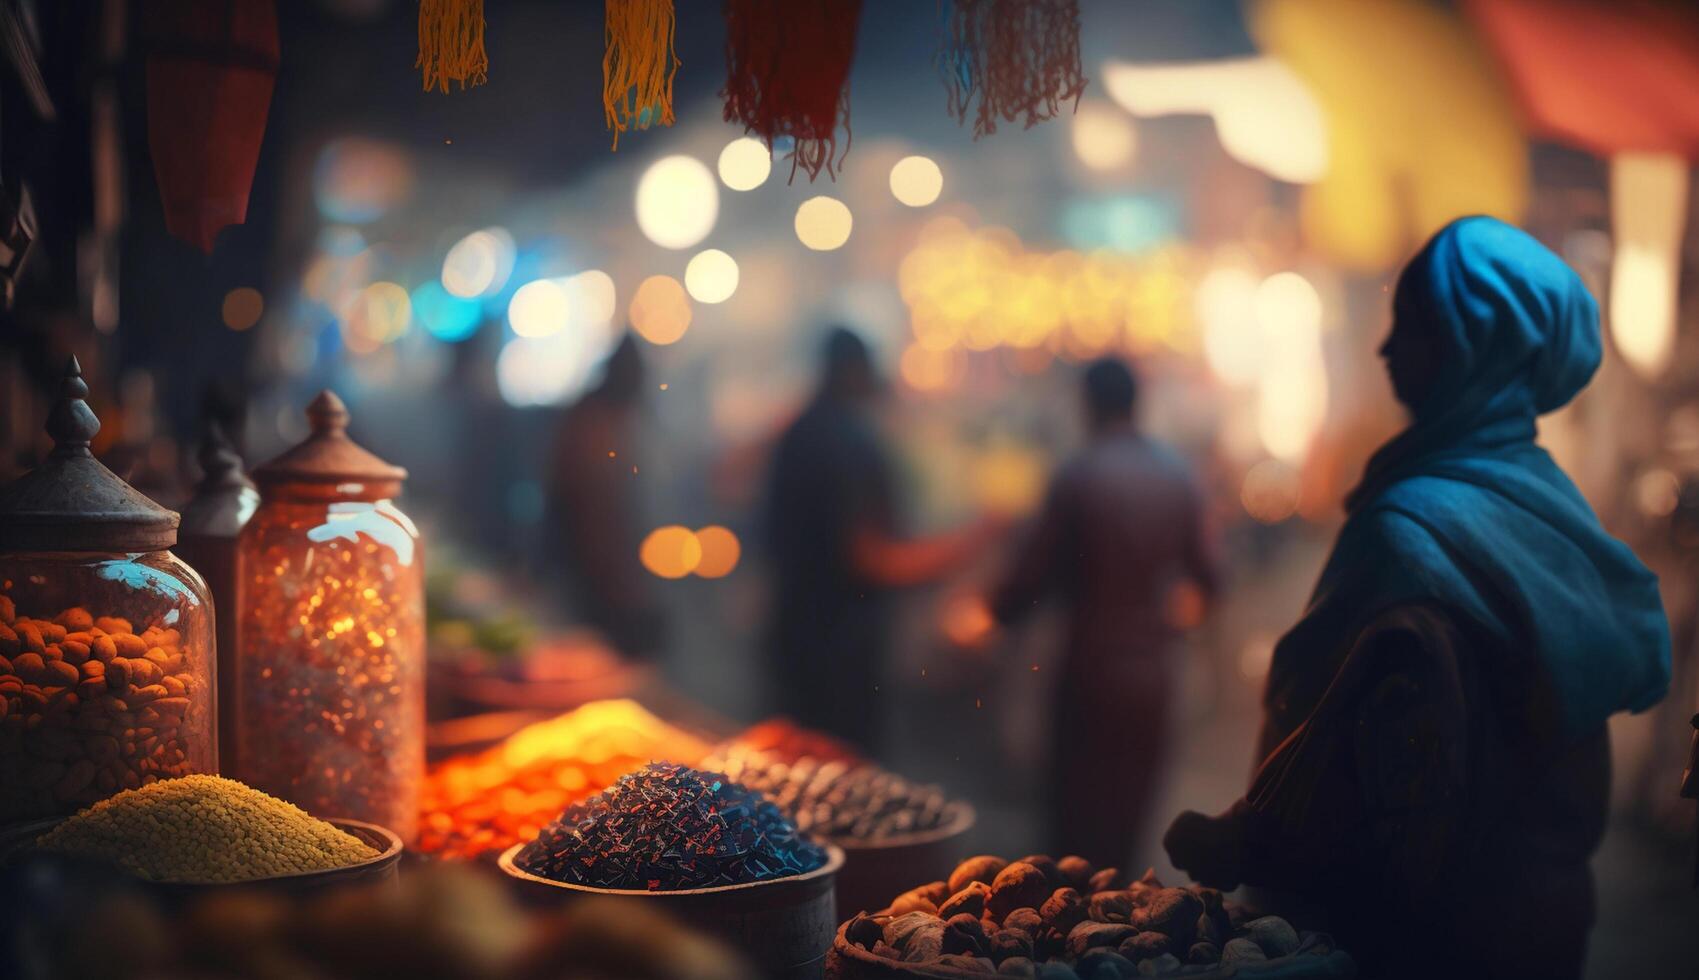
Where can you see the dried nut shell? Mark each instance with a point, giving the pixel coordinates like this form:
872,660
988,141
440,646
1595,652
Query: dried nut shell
1173,912
984,867
1107,879
1113,906
1105,962
863,931
970,900
899,930
1242,951
1204,953
1017,885
1090,935
1027,920
1046,864
1063,910
964,934
1076,871
1274,935
926,943
1006,943
1018,966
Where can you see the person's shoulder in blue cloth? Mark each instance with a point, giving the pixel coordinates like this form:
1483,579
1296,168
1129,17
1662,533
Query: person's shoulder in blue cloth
1434,743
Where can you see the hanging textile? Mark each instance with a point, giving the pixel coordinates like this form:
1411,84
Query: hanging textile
638,65
211,65
787,75
451,43
1019,59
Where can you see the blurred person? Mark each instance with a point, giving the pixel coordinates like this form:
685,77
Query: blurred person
1436,770
593,492
1121,535
832,534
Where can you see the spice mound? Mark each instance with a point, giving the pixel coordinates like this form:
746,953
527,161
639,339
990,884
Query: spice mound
1066,920
787,741
846,803
481,804
671,828
204,829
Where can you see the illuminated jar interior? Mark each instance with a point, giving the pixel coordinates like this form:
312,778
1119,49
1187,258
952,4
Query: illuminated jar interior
106,638
331,678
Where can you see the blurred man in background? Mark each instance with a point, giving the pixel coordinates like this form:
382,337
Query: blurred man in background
593,487
1121,537
833,538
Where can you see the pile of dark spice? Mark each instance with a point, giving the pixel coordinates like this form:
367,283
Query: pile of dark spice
670,828
847,803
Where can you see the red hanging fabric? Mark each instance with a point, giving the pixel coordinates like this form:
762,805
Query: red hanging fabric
1019,58
787,75
211,65
1609,78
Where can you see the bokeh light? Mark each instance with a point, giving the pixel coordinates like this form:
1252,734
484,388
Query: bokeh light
931,369
677,202
670,552
711,276
1288,308
1226,305
745,164
550,370
916,181
378,315
1648,216
357,179
1009,481
1269,492
592,297
720,551
1103,136
538,308
242,307
478,264
447,318
823,223
660,310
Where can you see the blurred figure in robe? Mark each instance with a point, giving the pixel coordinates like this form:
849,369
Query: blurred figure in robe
593,491
1121,542
833,537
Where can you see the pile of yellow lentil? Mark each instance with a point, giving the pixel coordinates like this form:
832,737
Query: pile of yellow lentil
204,829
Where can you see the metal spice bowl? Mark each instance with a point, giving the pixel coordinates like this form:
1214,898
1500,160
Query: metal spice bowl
876,870
784,925
16,842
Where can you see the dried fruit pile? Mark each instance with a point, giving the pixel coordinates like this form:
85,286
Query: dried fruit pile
89,706
479,805
842,802
670,828
204,828
1064,920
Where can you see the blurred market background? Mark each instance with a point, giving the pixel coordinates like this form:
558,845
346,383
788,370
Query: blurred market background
1226,205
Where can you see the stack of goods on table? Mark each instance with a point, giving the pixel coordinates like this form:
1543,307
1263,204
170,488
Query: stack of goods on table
204,829
847,803
478,805
1065,920
671,828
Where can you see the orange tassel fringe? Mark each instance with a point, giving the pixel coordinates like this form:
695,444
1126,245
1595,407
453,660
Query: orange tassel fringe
451,43
638,65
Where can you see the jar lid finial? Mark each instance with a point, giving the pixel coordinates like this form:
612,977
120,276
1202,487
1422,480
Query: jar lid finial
71,423
326,413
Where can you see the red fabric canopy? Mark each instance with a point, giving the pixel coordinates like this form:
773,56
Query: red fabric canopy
1607,77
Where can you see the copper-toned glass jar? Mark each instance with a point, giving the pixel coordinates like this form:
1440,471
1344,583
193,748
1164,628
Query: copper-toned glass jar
106,638
331,684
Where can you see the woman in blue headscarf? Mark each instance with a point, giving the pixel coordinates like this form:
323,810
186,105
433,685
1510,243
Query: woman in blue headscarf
1436,767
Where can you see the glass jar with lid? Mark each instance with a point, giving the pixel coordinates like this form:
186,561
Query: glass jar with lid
107,676
330,694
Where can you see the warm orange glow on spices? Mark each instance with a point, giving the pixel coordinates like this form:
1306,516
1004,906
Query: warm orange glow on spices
478,804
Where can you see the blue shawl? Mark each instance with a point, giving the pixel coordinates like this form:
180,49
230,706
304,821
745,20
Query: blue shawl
1464,510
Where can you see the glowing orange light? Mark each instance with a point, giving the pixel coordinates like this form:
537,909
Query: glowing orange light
660,310
720,551
670,552
242,307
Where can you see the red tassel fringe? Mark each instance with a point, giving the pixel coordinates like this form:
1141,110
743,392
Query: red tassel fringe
1020,57
787,74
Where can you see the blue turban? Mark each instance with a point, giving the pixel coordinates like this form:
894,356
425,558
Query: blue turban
1462,509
